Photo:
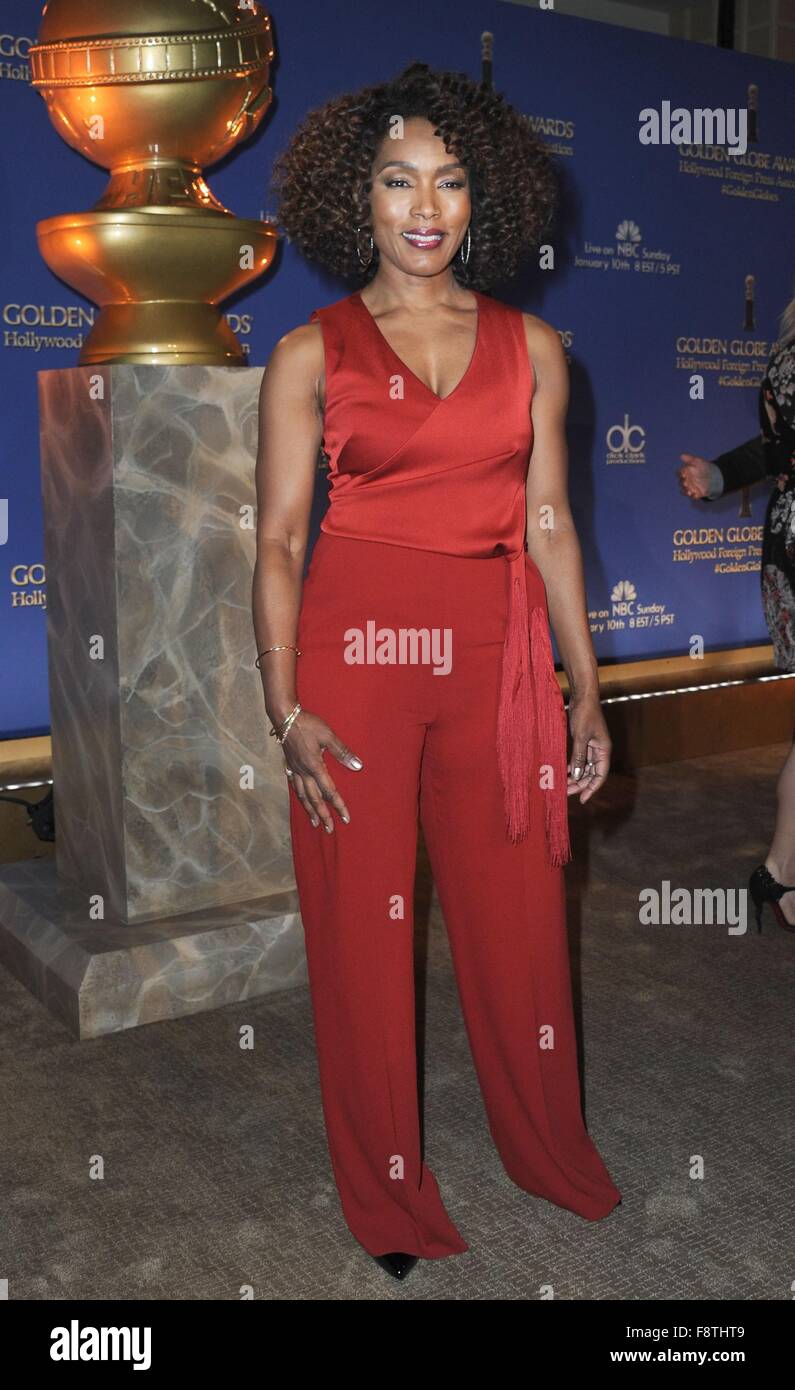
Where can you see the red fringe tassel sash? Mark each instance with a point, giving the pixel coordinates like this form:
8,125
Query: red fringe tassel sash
529,693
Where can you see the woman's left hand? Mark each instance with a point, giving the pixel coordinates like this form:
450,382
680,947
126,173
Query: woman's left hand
591,746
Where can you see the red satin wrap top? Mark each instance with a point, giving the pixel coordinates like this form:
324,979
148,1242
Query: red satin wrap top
448,474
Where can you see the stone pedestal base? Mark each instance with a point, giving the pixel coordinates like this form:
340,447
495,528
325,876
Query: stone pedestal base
173,887
103,976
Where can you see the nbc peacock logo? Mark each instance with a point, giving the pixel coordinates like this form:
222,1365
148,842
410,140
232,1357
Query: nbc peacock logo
623,596
627,234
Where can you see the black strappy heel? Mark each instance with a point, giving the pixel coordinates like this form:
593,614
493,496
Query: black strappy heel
764,888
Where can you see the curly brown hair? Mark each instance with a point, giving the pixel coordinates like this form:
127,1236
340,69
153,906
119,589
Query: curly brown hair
322,179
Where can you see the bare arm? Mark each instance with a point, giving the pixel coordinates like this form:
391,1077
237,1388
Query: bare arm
553,544
290,432
552,539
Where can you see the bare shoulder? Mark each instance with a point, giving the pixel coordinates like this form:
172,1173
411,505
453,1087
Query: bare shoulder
545,350
297,357
299,350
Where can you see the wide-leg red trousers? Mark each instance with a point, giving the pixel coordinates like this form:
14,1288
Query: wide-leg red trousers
427,742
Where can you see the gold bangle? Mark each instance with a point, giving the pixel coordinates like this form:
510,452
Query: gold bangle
283,647
284,728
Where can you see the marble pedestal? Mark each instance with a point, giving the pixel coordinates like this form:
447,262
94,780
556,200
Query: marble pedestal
173,851
100,977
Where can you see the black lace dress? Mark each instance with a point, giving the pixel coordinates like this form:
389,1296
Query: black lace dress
771,455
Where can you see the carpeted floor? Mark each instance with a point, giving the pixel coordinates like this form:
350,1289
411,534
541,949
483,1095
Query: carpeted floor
216,1171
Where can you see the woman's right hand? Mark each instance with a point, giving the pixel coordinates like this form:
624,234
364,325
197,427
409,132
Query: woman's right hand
303,747
694,477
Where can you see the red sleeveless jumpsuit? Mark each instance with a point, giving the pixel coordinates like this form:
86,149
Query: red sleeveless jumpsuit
462,725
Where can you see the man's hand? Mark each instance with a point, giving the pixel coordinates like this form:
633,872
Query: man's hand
694,477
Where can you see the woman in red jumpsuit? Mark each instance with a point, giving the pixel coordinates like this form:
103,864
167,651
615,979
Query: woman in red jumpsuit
410,676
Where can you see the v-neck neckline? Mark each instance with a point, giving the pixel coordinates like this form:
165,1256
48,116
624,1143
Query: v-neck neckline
470,365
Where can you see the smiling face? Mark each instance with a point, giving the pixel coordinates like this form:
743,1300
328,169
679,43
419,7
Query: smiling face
420,202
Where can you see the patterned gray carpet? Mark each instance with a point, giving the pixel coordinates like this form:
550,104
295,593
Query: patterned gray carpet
216,1171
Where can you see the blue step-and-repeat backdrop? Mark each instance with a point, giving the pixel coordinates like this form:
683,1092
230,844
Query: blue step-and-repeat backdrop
650,286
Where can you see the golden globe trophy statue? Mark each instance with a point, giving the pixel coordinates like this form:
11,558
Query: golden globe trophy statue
172,888
153,92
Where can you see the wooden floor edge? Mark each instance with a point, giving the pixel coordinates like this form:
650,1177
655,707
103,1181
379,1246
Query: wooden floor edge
615,679
671,673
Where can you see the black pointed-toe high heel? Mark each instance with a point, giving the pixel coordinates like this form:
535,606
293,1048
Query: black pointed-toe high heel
764,888
397,1264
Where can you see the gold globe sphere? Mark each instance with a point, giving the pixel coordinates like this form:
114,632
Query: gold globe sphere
153,92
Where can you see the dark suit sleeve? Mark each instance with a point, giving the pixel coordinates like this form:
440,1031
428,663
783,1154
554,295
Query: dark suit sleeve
744,465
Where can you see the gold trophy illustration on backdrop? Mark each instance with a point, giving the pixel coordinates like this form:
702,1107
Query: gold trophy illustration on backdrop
153,90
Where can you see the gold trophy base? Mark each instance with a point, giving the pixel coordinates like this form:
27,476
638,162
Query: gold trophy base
165,331
120,260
